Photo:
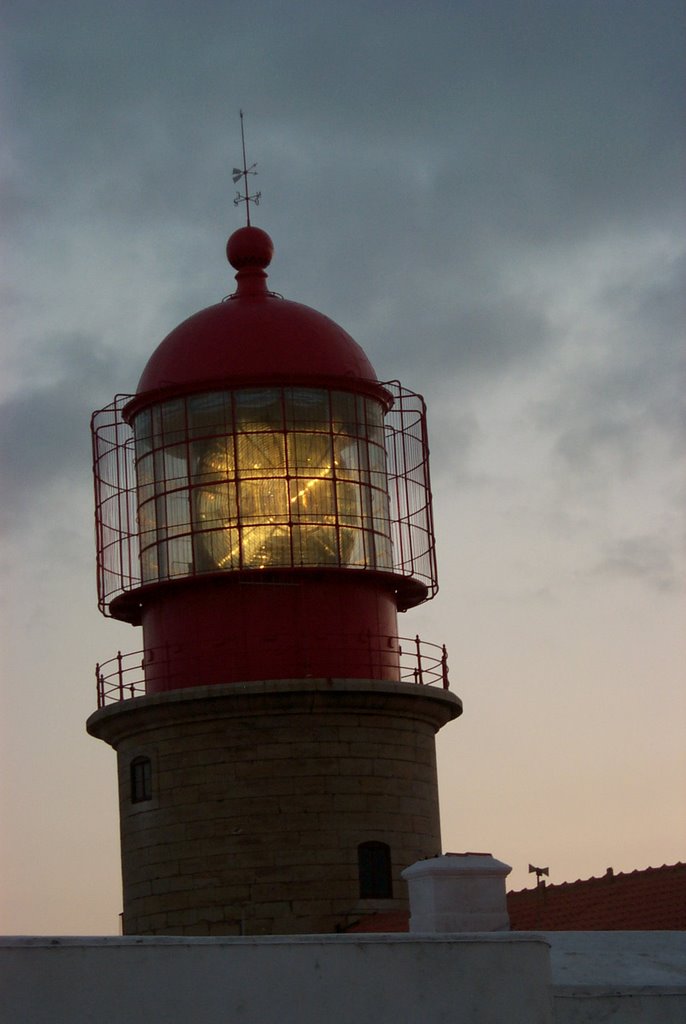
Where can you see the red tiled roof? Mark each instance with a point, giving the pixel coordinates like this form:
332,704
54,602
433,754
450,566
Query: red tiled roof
649,900
388,921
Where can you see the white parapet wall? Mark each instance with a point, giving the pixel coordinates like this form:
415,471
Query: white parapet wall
360,979
506,978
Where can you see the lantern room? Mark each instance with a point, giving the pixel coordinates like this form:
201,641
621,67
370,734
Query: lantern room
263,506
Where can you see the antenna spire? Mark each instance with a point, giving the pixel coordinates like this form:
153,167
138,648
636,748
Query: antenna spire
238,174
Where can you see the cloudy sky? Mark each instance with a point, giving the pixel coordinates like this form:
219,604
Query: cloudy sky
488,197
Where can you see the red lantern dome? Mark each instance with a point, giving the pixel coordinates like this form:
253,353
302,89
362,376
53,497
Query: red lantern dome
254,337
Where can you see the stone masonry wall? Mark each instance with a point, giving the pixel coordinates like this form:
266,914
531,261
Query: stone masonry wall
261,794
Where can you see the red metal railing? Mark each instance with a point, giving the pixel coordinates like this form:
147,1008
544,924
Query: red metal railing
128,675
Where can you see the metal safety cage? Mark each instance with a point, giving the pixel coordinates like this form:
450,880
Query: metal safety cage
409,498
409,484
114,479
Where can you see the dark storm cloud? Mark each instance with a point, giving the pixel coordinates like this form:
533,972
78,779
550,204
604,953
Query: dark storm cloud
627,391
44,429
409,158
535,116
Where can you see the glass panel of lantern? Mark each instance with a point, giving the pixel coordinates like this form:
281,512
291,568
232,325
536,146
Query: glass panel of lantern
259,478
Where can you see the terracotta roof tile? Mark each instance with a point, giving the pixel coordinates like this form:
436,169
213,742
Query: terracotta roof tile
649,900
390,921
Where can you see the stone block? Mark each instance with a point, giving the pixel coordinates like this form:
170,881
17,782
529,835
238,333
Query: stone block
182,917
392,769
180,883
305,785
137,889
309,908
343,802
155,921
226,927
358,766
306,803
200,830
274,785
231,894
197,928
278,908
348,822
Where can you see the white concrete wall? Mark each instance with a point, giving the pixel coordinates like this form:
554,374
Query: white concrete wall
294,980
489,978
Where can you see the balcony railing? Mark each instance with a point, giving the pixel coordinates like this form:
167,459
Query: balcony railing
130,675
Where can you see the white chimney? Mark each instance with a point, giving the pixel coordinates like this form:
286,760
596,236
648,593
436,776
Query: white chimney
458,892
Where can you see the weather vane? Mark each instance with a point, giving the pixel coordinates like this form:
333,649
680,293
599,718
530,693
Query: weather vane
238,174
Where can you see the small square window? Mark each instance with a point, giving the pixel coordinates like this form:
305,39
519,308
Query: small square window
141,779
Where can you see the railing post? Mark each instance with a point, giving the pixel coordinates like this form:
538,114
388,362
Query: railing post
120,675
98,685
444,667
418,645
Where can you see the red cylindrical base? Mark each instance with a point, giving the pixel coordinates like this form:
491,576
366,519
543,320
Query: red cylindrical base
320,625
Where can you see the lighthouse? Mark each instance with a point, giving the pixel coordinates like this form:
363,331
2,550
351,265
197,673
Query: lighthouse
263,513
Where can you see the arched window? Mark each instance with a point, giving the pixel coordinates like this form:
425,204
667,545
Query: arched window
374,864
141,779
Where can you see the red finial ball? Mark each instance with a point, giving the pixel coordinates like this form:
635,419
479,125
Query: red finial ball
249,247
